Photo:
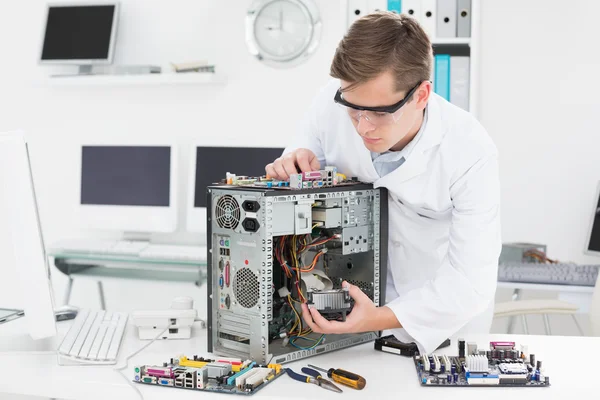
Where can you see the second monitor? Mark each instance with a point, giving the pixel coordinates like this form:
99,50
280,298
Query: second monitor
211,163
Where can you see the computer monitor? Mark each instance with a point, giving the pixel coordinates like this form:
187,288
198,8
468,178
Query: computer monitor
21,219
210,164
128,188
593,239
82,34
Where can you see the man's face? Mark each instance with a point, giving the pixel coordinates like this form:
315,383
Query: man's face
381,132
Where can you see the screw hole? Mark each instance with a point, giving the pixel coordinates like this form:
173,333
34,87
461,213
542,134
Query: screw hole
446,20
464,13
428,14
357,12
349,265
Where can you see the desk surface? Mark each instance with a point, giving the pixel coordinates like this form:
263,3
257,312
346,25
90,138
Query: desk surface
388,376
546,287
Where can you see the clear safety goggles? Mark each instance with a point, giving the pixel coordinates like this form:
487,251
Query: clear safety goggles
378,116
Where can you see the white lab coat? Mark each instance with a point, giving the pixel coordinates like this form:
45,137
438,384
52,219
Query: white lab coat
444,216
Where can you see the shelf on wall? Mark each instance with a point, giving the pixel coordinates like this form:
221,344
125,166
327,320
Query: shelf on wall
189,78
450,40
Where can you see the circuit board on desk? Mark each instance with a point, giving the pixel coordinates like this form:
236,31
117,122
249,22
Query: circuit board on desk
500,366
230,376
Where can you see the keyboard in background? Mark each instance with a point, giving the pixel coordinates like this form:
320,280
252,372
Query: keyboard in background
174,252
94,338
553,274
143,250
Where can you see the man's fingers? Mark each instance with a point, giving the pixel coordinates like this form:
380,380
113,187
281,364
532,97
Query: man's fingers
306,316
289,164
270,171
355,291
315,164
303,158
279,170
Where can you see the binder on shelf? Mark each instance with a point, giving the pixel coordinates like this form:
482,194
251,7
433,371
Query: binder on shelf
356,9
463,24
428,17
412,8
394,6
446,18
441,80
459,81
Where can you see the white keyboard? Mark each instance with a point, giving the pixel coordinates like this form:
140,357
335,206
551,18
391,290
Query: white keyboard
106,247
174,252
94,338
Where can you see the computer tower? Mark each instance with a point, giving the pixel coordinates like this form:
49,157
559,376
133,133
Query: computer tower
254,234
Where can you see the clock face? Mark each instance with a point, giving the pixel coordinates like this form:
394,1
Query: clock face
281,31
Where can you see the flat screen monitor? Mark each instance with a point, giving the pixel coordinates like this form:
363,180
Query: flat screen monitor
211,164
20,218
593,242
80,33
129,188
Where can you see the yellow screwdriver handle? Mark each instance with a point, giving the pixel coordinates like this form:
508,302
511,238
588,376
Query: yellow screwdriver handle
348,379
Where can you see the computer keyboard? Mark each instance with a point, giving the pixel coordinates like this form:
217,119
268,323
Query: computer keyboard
553,274
94,338
174,252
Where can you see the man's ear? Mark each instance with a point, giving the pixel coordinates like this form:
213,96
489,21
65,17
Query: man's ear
422,95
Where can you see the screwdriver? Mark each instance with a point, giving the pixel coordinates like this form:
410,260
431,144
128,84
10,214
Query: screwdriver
344,377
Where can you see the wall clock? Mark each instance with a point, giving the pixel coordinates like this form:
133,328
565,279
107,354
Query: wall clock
283,33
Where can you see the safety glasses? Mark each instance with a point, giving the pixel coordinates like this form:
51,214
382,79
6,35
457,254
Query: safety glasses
379,116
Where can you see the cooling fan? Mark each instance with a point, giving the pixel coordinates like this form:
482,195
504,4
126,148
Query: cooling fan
227,212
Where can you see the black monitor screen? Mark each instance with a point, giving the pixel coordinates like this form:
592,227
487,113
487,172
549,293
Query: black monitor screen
126,175
78,33
213,163
594,244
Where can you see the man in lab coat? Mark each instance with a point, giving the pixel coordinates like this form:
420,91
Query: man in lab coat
380,121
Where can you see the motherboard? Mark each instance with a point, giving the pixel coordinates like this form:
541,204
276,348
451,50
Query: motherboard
222,375
501,365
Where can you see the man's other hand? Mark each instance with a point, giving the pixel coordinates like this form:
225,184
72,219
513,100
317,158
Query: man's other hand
300,160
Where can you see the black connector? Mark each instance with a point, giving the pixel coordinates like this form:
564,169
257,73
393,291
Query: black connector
251,206
173,330
250,225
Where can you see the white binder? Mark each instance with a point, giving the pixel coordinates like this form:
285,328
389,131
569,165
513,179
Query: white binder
459,81
428,17
463,27
446,18
412,8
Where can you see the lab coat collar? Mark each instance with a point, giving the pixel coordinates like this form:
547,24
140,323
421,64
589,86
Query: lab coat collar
416,164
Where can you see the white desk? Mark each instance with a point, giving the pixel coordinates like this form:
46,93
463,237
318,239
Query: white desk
388,376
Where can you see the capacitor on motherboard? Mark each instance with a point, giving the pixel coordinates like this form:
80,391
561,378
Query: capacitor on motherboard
455,377
532,359
538,365
537,375
453,369
515,354
449,378
461,348
501,354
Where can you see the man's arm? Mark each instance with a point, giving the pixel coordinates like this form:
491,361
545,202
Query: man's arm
465,284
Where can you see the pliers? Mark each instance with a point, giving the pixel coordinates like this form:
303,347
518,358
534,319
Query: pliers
314,377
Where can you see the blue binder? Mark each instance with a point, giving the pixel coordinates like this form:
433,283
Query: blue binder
441,80
395,6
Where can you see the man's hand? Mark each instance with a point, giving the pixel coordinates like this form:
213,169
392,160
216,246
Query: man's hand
285,166
365,316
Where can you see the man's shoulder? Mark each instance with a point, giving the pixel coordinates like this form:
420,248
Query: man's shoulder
462,131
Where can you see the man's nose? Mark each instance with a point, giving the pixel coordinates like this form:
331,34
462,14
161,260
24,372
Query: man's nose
364,125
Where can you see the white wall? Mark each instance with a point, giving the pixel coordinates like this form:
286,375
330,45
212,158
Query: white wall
257,104
537,99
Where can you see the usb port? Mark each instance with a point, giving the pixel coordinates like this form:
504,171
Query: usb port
173,330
